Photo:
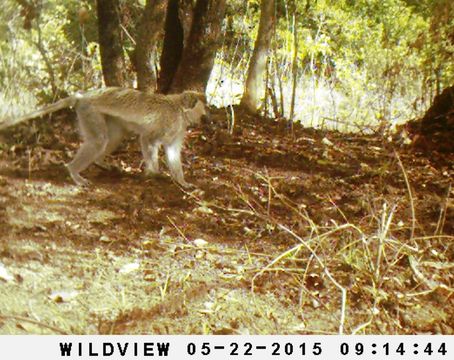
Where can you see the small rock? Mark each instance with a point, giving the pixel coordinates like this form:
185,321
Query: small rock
125,269
4,275
200,242
63,296
104,238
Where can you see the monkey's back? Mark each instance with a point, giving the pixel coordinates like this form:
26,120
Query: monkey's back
157,114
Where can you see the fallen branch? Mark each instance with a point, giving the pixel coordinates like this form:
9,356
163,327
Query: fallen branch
34,322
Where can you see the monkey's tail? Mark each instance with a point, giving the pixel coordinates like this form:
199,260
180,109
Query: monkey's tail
62,104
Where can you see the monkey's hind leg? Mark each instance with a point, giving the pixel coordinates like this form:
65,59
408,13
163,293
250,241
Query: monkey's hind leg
116,133
94,132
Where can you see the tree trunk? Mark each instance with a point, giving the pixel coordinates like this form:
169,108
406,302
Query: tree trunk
172,49
435,131
186,16
110,44
199,53
149,29
257,66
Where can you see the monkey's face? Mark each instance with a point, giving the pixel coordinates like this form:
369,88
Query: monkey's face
193,103
198,114
205,116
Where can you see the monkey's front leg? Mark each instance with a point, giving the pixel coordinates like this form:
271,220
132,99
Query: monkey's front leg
150,153
79,180
173,157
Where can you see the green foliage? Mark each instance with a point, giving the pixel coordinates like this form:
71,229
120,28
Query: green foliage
50,53
375,62
358,62
371,48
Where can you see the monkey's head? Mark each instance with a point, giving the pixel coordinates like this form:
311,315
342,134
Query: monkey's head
195,109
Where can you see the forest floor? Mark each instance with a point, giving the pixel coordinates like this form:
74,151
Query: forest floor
310,232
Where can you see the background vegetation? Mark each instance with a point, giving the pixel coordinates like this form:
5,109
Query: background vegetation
357,64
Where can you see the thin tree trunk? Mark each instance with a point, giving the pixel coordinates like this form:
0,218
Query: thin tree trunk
257,66
50,70
278,74
294,70
198,56
150,28
110,45
186,16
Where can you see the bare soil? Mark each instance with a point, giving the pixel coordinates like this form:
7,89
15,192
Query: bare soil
289,231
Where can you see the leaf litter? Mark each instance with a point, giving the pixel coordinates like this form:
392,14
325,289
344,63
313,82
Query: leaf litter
297,231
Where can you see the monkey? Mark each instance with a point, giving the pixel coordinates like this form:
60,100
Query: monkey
106,115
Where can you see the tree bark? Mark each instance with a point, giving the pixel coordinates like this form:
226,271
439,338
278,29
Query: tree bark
110,44
257,67
435,131
172,49
150,28
204,39
186,16
294,69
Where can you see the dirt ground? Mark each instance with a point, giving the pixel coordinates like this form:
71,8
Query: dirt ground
289,231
